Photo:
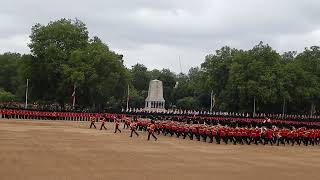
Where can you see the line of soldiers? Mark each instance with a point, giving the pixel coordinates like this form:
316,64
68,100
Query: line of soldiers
151,127
235,135
296,117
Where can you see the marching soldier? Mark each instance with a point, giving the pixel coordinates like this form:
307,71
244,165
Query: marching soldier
93,120
103,121
126,123
151,130
133,127
117,126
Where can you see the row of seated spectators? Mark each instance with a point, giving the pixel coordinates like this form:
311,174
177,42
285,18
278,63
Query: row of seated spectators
236,135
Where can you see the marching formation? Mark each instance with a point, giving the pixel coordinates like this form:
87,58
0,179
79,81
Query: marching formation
236,135
243,134
221,129
134,125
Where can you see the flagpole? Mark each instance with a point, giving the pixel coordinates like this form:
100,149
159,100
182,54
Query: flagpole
128,98
180,65
283,106
254,106
211,103
74,95
26,104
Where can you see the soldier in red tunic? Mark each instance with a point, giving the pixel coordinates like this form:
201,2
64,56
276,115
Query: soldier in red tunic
126,124
93,120
117,123
151,130
103,121
133,127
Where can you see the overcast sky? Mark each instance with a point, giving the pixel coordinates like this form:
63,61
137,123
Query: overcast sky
157,32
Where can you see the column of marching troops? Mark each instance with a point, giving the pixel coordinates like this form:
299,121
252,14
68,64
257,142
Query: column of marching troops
76,116
236,135
208,129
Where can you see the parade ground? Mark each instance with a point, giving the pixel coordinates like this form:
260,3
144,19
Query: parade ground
63,150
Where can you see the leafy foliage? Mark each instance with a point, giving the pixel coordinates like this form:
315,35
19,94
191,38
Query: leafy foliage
63,55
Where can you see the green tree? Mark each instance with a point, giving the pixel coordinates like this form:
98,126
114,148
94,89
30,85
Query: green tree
308,91
51,46
98,73
6,96
140,77
64,56
9,63
188,103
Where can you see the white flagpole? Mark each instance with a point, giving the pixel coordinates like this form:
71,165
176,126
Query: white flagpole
254,106
283,106
26,105
211,103
180,65
128,98
74,96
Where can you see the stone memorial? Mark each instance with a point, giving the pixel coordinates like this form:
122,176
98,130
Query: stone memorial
155,100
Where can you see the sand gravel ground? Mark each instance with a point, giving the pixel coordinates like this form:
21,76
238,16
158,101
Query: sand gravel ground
62,150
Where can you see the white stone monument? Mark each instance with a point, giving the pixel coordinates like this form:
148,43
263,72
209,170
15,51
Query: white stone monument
155,100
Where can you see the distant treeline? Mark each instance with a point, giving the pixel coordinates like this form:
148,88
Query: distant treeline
63,56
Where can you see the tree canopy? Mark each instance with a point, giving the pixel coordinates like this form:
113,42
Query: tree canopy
63,56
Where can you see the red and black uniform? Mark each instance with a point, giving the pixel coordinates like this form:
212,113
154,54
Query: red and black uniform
238,136
268,137
117,123
133,127
208,134
180,130
151,130
282,135
174,128
202,134
126,124
186,131
168,129
103,122
139,125
223,135
194,132
93,120
257,136
215,135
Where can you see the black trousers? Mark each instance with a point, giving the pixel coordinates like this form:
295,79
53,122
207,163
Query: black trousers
117,129
102,126
185,135
225,139
125,126
210,137
151,133
92,124
218,139
134,131
267,141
